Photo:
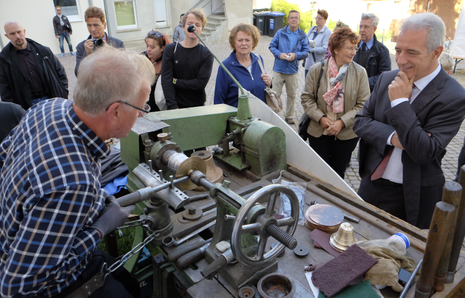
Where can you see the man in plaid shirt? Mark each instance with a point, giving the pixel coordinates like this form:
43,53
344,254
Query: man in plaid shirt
53,212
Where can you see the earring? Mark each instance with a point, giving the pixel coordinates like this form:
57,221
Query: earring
336,53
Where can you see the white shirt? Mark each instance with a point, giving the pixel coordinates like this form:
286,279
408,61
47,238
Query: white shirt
394,169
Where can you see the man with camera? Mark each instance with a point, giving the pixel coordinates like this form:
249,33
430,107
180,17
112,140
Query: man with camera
95,20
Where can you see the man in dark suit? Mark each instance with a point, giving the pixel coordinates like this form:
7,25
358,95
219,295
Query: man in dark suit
95,20
405,126
373,55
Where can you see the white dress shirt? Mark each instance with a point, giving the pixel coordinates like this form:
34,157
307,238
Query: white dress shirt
394,169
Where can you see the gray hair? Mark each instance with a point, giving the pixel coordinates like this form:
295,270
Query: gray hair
372,16
430,22
446,61
109,75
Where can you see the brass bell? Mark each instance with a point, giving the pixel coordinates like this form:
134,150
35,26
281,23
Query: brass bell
343,238
213,173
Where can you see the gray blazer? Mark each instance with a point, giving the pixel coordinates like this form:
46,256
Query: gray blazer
81,52
317,54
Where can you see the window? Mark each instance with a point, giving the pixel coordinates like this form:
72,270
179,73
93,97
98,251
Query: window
125,12
69,8
160,13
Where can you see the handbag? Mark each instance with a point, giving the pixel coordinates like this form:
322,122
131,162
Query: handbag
160,100
305,120
273,99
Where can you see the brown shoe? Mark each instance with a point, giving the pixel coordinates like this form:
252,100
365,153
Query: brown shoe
290,120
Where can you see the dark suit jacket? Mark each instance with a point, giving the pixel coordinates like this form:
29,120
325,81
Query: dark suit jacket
439,110
81,52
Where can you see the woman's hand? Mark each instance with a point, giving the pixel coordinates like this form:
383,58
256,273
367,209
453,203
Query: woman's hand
266,79
336,127
325,122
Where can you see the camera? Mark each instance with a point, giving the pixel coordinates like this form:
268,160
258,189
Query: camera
98,42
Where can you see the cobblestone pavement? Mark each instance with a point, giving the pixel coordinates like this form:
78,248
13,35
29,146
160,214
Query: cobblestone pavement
223,50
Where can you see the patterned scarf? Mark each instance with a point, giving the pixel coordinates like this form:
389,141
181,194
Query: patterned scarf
335,96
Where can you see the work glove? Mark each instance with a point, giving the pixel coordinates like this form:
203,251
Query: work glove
386,271
112,216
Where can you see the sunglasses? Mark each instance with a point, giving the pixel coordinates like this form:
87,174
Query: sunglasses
144,111
155,34
58,9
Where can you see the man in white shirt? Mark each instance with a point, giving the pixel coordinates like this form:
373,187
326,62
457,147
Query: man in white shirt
405,126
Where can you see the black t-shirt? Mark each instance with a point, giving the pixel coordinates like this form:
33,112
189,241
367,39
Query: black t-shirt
191,67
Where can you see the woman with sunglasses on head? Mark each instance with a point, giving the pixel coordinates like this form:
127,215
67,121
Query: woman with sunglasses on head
155,45
342,92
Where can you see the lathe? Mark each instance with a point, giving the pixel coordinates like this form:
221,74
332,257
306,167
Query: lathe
214,215
232,223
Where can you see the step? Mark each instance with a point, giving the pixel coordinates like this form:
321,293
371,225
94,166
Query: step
220,17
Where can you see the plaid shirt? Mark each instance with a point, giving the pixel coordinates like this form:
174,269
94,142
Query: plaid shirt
50,196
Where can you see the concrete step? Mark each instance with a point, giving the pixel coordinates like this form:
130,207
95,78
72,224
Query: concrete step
220,17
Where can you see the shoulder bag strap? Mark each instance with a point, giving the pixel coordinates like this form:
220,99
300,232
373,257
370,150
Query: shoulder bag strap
319,78
262,67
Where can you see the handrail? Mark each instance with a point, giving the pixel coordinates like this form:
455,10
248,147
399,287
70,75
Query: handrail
211,6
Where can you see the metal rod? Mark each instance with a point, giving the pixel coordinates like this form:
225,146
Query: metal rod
191,28
411,279
144,193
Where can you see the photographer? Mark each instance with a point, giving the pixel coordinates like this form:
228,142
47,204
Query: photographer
95,20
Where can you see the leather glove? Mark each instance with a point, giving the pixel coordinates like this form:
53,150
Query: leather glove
112,216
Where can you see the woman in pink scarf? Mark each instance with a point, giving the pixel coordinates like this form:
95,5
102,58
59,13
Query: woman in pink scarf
342,92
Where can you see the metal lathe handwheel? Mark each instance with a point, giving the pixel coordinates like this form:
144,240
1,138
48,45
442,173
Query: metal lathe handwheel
265,225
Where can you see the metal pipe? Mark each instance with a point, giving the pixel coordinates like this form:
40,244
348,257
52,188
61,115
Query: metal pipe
144,194
410,280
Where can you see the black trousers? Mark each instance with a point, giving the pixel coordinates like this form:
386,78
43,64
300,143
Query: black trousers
336,153
119,284
389,197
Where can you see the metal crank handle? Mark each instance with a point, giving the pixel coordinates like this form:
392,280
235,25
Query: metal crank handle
192,257
220,262
144,194
283,237
187,247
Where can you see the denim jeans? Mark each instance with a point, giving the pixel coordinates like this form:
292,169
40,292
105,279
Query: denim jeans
37,100
68,40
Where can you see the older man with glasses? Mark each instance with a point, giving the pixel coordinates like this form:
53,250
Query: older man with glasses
54,211
373,55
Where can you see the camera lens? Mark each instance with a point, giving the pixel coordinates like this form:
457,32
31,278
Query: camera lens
98,42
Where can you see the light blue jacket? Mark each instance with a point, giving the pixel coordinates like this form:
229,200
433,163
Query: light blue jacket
317,54
282,44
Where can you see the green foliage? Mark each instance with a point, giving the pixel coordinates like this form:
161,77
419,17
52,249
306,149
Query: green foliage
387,35
331,24
283,6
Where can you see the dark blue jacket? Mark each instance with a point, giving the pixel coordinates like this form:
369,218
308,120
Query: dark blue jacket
281,44
226,91
378,62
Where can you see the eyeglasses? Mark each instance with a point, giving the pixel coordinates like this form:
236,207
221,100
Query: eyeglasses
352,48
293,18
366,27
143,111
155,34
318,18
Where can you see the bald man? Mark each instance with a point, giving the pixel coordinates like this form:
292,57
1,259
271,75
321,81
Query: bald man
29,71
